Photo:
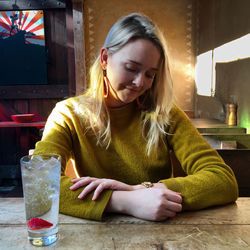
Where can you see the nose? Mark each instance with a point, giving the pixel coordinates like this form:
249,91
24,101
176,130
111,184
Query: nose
138,80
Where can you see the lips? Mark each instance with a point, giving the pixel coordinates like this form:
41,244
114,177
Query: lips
133,90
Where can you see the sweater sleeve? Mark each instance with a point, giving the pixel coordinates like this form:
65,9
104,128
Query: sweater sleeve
58,137
209,180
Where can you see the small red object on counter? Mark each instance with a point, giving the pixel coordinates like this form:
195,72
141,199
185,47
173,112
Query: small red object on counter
22,118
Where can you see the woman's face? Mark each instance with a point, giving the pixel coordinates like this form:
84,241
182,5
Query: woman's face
130,71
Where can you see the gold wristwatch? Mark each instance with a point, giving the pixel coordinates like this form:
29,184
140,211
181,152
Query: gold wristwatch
147,184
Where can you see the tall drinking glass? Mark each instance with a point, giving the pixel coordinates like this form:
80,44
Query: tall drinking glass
41,188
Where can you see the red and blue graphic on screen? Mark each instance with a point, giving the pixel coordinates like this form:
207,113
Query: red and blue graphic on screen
29,23
23,58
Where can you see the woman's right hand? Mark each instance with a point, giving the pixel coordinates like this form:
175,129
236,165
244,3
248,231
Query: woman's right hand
155,204
98,185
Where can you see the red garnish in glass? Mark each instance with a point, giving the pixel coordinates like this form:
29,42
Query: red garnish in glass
38,223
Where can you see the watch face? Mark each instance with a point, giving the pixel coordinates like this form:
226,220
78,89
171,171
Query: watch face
147,184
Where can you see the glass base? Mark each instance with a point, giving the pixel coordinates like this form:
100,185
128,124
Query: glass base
44,240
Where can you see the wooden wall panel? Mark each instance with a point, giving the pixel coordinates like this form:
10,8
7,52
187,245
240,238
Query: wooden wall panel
22,106
56,42
79,47
70,51
41,107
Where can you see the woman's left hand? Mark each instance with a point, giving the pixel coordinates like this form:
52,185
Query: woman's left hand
98,185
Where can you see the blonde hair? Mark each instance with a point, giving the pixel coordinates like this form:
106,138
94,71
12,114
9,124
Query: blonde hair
159,98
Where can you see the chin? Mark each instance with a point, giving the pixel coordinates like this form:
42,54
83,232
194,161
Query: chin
127,100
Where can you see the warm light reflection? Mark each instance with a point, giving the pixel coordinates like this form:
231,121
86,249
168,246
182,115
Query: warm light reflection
189,70
74,168
205,67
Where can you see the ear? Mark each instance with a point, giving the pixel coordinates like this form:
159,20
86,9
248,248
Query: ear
104,58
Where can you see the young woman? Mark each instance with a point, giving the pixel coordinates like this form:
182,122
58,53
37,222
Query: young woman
120,131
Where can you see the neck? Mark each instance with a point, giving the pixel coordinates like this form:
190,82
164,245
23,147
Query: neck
112,102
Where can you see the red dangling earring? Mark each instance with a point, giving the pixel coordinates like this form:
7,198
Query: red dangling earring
140,105
105,87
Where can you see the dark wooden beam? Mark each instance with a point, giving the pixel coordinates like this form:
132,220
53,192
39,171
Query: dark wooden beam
34,91
70,48
31,4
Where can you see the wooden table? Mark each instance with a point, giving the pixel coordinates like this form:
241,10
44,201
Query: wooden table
226,227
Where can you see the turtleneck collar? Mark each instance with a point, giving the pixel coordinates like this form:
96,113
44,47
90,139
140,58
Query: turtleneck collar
124,114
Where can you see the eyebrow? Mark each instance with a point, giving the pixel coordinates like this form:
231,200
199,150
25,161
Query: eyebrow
132,61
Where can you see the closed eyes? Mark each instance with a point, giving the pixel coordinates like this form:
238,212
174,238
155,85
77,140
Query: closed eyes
134,70
130,69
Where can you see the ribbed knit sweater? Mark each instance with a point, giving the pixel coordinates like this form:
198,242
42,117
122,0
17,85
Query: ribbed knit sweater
209,180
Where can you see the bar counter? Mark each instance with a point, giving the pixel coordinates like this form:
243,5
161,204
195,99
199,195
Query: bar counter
223,227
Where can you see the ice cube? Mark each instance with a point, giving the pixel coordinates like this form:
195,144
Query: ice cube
37,159
29,166
52,162
35,162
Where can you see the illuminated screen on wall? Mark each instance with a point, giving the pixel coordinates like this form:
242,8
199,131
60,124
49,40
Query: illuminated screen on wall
22,46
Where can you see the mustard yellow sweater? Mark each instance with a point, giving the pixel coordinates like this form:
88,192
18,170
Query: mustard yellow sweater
209,182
